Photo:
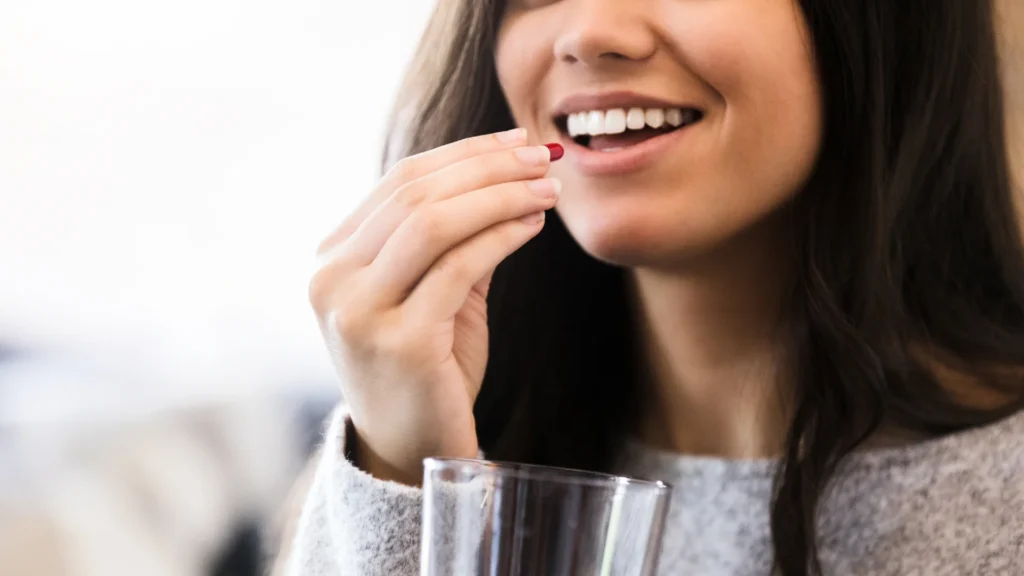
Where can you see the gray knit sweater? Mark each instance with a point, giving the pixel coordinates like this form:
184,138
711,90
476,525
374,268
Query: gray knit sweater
952,506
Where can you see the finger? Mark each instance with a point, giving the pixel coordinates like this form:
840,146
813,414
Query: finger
446,286
434,228
484,285
485,170
417,166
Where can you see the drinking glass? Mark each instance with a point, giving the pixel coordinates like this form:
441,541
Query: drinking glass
499,519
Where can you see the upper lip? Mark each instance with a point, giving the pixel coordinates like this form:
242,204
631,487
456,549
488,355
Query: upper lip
609,100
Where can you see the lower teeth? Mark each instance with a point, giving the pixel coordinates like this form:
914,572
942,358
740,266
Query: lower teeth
585,141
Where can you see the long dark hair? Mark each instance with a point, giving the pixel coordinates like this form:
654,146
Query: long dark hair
910,257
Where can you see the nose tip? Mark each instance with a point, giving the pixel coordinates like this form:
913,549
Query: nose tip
603,32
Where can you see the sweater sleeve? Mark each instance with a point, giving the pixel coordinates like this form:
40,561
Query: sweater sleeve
351,523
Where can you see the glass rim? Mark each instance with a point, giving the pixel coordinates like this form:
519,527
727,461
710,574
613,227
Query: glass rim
548,473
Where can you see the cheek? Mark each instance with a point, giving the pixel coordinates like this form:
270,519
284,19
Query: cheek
521,58
759,62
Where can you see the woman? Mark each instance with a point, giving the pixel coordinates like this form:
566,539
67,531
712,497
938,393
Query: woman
782,272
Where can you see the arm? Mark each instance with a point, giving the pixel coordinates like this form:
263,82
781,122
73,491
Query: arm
351,523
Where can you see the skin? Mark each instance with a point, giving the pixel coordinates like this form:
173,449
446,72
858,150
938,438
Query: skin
401,290
1011,34
745,63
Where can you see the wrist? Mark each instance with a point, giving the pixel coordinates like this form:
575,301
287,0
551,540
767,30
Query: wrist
364,457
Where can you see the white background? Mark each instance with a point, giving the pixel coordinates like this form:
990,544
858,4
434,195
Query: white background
167,169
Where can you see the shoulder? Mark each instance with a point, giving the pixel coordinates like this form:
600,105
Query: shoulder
944,506
997,447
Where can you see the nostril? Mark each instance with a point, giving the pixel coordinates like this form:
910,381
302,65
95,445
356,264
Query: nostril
614,56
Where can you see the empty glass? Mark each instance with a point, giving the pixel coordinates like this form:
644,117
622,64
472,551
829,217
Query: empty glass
497,519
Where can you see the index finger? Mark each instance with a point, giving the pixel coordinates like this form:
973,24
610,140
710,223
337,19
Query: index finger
419,165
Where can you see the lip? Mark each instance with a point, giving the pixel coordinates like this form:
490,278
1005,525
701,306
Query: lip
619,99
631,159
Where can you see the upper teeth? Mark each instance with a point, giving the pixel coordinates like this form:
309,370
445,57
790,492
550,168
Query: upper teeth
618,120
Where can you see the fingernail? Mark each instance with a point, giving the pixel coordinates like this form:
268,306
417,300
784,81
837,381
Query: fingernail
556,151
514,135
546,187
535,218
534,155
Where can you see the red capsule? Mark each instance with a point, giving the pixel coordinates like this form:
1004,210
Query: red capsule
556,151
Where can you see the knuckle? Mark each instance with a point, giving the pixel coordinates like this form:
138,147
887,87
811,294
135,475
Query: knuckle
350,325
324,247
333,268
409,195
320,290
500,162
454,269
405,170
516,197
330,245
508,165
484,144
482,164
512,205
512,234
426,227
473,146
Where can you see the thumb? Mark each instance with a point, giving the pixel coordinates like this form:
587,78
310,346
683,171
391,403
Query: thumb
483,287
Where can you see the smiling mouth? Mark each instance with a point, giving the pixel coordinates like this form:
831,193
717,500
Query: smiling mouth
618,128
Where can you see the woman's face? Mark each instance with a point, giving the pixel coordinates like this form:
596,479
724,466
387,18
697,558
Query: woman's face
737,76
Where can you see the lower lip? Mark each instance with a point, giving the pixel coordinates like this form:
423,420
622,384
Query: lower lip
624,160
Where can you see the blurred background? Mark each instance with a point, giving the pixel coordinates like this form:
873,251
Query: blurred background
167,170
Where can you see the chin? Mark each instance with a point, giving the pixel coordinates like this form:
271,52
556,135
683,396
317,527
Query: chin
631,238
670,236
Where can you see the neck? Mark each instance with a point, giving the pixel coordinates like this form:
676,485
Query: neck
712,337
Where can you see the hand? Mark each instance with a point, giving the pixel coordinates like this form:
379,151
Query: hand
401,294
